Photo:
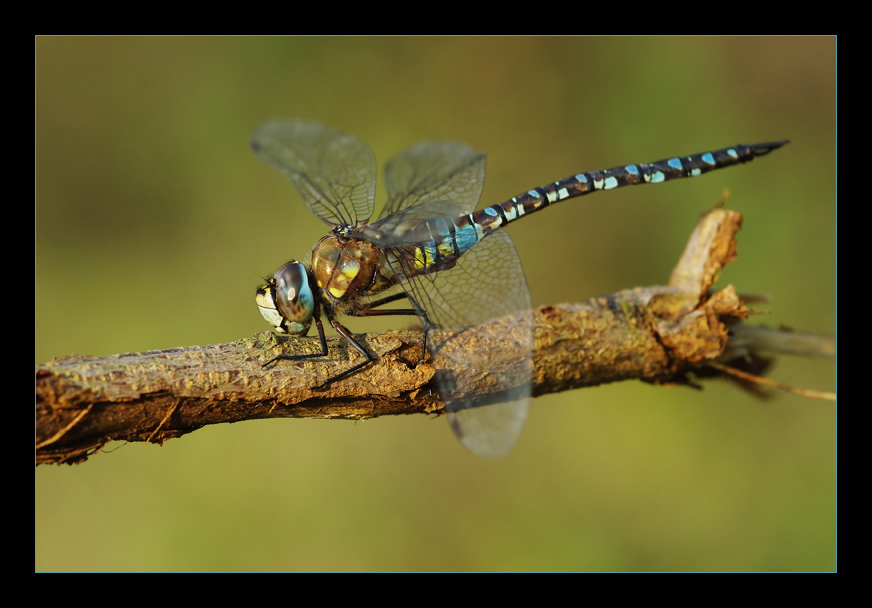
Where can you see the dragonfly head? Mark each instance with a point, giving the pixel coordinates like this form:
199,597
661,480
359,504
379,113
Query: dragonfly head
286,301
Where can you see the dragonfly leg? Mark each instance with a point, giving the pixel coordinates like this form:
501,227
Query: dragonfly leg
349,337
345,334
323,352
416,310
342,331
425,322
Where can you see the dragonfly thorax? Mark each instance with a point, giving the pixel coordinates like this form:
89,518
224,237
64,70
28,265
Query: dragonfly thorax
346,269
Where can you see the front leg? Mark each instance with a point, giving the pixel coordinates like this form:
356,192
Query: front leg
323,352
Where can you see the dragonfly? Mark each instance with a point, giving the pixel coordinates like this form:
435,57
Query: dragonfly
455,267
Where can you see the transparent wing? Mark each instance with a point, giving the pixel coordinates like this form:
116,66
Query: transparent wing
473,355
432,171
334,172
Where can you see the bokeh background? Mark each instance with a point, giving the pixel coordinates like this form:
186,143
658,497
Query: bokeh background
154,222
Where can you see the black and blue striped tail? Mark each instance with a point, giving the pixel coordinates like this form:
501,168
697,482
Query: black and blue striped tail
449,241
618,177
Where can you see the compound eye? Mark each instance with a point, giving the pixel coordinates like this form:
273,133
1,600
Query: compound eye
294,298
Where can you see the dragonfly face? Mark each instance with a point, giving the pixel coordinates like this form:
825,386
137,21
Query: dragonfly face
454,266
287,301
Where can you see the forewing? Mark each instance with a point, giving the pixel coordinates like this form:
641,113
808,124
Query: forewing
434,171
477,359
334,172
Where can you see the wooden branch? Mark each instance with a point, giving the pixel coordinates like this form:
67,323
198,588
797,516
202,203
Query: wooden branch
655,334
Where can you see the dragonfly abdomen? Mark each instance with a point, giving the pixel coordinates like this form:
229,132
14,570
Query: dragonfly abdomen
450,239
497,216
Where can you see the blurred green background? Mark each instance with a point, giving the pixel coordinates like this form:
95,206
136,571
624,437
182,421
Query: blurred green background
154,222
